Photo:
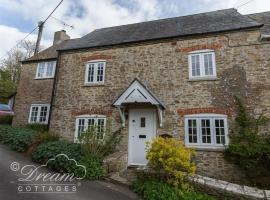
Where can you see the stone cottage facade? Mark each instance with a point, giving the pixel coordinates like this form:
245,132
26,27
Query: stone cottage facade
174,77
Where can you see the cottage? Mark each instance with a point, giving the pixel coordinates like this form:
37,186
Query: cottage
174,77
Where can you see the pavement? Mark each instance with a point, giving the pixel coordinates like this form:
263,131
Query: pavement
13,189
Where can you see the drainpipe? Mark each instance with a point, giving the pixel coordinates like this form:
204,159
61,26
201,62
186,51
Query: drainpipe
54,88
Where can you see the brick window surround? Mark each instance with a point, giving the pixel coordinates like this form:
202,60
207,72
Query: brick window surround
214,110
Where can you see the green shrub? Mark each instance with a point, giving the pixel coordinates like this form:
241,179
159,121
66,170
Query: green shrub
92,145
170,157
49,150
37,127
16,138
6,119
44,137
93,166
158,190
249,149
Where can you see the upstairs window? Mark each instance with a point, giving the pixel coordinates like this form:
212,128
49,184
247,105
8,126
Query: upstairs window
95,72
45,70
206,130
90,121
202,64
39,113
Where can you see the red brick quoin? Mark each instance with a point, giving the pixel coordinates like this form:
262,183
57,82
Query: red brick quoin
96,57
190,111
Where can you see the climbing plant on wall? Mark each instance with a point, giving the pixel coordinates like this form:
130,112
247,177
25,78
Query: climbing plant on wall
248,148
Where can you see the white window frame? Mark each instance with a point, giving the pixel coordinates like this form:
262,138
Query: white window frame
87,117
201,54
95,62
213,144
44,75
38,113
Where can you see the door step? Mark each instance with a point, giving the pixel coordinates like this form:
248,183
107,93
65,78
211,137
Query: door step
138,167
125,177
116,178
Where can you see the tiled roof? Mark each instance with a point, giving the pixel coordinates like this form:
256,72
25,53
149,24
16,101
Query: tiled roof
203,23
49,53
263,18
210,22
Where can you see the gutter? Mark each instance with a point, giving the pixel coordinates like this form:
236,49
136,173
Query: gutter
38,60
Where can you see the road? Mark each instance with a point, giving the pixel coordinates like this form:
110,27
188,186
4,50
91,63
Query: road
90,190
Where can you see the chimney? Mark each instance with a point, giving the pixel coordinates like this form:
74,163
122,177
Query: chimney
60,36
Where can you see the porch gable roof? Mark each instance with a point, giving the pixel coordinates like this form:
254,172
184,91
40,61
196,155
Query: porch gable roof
136,92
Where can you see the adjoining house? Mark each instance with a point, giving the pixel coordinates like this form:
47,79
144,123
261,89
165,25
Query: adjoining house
175,77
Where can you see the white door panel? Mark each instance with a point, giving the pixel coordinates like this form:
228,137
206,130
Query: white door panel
142,128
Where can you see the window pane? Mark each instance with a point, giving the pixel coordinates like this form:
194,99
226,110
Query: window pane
206,131
220,131
195,65
41,70
192,131
34,112
91,73
100,128
208,64
100,71
91,123
142,121
81,127
50,66
43,114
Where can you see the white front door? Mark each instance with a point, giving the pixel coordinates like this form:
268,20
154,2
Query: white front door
142,128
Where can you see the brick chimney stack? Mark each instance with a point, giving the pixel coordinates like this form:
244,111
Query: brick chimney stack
60,36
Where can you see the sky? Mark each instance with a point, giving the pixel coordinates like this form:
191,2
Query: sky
19,17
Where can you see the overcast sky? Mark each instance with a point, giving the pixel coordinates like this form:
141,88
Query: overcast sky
19,17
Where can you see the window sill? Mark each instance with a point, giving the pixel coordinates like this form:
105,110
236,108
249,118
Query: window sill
207,148
214,78
43,78
41,123
93,84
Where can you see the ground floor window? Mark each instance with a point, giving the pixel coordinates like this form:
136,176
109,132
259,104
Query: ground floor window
84,122
39,113
206,130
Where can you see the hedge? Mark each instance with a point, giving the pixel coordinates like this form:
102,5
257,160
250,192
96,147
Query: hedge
19,139
37,127
16,138
6,119
49,150
159,190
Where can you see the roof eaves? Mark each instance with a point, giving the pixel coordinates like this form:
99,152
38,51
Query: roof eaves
38,60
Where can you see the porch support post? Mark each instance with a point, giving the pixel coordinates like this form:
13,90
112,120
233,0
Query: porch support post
160,117
121,111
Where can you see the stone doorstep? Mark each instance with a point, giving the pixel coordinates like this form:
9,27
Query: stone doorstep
116,178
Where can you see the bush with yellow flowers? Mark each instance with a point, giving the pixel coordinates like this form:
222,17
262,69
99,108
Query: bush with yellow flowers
169,157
